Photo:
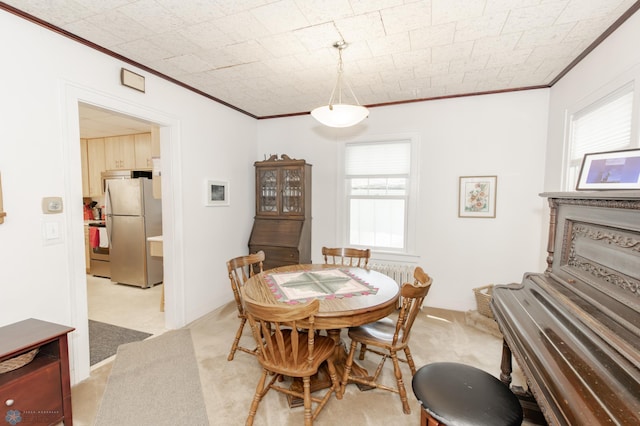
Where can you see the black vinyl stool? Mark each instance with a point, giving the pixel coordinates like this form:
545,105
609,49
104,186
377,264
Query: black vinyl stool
458,394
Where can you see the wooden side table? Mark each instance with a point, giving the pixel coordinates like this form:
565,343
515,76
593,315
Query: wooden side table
38,393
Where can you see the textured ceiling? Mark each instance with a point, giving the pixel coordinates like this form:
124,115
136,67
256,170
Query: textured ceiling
269,58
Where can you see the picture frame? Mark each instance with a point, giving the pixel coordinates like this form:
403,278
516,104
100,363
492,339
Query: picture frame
610,170
132,80
217,193
477,196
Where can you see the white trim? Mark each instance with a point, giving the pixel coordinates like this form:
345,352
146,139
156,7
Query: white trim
71,95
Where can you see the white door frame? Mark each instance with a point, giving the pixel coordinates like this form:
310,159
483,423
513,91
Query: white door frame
172,215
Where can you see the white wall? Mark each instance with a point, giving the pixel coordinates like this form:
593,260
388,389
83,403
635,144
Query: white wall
502,134
613,63
43,76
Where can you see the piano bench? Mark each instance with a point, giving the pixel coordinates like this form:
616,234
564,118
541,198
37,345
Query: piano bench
458,394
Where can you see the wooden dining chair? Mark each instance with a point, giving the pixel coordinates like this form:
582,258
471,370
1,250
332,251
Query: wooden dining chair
346,256
240,270
288,347
390,337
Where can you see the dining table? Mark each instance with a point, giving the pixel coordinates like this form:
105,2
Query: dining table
348,296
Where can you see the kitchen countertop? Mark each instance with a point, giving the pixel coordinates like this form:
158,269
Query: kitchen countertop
155,245
156,250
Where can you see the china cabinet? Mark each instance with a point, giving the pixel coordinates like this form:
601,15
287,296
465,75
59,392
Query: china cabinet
282,225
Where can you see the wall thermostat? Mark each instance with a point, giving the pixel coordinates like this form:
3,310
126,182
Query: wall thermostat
52,205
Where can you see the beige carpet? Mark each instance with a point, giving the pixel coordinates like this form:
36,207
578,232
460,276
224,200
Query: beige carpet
228,386
154,382
482,323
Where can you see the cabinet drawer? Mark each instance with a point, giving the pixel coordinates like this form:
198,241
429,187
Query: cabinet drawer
37,396
277,256
281,254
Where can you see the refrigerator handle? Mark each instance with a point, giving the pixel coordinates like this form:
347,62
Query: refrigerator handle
107,207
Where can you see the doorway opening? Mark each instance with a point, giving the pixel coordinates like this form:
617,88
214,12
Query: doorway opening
114,141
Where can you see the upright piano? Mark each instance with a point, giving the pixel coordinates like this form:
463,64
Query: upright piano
574,329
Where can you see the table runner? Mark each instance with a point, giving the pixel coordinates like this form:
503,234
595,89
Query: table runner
301,286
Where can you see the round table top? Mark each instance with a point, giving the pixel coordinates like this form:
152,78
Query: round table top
339,312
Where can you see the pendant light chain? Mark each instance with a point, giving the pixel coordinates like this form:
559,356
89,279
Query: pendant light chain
337,114
341,45
340,71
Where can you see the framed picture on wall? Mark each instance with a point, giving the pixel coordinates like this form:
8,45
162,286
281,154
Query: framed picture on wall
217,193
477,196
610,170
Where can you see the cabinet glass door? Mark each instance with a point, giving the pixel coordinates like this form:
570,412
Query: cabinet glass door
292,191
268,191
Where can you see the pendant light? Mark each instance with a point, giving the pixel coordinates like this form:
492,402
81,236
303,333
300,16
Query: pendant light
337,114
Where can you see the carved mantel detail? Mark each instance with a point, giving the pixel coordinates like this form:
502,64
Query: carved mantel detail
608,237
614,204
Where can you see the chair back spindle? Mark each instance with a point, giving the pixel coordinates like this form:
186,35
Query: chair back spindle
412,297
240,269
388,339
353,257
288,346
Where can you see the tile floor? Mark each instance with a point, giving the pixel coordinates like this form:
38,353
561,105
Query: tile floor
125,306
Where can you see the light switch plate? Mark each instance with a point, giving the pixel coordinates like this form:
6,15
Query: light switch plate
52,231
52,205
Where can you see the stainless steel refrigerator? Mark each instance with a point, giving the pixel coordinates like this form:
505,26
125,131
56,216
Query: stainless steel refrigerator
132,215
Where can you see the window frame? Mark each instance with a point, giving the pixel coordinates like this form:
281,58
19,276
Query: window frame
412,196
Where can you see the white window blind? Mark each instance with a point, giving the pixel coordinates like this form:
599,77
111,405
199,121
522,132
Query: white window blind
602,126
378,159
605,125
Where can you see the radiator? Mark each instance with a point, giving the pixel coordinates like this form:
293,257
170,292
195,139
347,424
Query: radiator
400,272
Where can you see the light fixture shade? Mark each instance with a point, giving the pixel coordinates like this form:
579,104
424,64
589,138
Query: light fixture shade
340,115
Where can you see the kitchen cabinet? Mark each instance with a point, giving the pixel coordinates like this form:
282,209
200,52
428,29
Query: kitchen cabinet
96,165
40,391
142,149
84,160
119,152
113,153
282,224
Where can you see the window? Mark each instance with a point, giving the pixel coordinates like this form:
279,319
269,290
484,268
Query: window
605,125
378,181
